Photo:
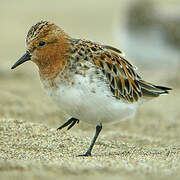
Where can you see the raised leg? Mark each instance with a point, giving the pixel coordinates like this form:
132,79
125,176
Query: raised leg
71,121
98,130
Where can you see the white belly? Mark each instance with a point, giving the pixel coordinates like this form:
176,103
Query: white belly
91,102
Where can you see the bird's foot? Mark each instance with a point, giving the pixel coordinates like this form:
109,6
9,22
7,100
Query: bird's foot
84,155
71,122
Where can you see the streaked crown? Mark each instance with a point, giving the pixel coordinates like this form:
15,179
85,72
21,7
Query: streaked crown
37,30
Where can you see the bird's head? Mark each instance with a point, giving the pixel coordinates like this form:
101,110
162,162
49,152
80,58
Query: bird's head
47,46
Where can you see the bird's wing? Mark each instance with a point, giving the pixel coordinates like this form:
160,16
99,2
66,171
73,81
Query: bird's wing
121,75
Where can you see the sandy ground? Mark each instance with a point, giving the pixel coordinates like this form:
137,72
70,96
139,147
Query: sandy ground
145,147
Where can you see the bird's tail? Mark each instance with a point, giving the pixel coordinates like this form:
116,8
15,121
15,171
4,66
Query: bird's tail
151,90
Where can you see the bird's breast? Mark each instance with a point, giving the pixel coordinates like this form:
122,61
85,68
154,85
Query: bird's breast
90,99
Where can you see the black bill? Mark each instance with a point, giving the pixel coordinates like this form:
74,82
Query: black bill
24,58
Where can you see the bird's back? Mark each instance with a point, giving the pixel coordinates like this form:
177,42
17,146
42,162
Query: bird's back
114,69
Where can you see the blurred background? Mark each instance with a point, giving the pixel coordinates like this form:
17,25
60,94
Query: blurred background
147,31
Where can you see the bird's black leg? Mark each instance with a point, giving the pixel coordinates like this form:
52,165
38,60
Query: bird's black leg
98,130
71,121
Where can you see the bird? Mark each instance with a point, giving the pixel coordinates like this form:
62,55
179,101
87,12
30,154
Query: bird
90,81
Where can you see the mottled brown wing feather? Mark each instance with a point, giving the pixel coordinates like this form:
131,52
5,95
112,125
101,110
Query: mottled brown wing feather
123,80
120,74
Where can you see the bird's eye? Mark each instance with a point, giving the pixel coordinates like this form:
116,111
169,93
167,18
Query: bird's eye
42,43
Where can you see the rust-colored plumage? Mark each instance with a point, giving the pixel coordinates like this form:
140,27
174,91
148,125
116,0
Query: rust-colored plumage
51,57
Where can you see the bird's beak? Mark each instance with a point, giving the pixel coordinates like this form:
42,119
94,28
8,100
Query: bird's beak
24,58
